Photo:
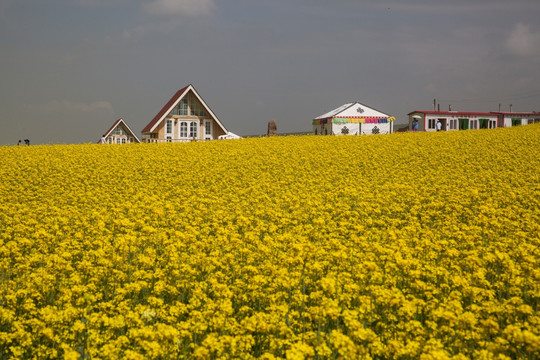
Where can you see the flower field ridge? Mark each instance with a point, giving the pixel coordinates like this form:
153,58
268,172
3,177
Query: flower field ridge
403,246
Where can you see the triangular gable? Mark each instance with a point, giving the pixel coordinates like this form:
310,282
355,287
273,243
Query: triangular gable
121,122
173,102
354,109
334,112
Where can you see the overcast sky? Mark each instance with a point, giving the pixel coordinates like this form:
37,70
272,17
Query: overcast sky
70,68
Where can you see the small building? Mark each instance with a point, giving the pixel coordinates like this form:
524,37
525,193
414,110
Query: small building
507,119
353,119
120,133
185,117
426,120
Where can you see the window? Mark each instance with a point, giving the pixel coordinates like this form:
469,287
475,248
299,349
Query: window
110,140
169,139
118,140
183,129
196,108
516,122
169,126
484,123
432,123
123,140
492,124
181,108
193,129
453,124
530,121
463,124
119,130
474,124
208,127
130,139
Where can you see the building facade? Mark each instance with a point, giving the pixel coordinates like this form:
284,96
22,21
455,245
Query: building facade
119,133
185,117
353,119
429,120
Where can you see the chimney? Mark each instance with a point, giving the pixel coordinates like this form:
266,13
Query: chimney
499,107
450,107
510,107
434,104
439,107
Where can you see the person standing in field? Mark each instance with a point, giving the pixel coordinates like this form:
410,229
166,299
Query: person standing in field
439,125
415,125
27,142
102,140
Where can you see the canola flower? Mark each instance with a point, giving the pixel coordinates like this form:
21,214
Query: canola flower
407,246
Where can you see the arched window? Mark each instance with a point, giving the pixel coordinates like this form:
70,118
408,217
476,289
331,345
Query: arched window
193,129
183,129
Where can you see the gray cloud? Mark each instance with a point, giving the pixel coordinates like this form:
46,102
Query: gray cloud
523,42
179,7
64,106
84,63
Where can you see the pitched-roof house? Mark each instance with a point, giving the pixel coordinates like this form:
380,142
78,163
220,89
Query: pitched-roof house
119,133
353,119
184,117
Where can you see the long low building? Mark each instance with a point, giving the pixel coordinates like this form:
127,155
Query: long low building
427,120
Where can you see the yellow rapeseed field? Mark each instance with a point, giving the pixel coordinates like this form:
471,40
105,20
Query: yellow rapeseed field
403,246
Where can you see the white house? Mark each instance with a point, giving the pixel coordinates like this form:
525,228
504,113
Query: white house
426,120
353,119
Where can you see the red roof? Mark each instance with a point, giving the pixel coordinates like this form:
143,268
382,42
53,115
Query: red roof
517,113
165,109
116,123
476,113
113,126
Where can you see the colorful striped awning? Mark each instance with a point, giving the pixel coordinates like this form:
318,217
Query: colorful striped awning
340,120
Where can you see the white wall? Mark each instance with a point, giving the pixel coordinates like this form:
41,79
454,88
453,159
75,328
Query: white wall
354,129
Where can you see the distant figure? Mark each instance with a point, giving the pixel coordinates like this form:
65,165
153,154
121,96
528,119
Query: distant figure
415,125
439,125
27,142
272,128
102,140
19,143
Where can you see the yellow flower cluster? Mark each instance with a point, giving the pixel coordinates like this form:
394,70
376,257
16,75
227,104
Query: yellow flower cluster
415,245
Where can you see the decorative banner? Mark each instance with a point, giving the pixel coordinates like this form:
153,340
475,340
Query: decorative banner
316,122
383,121
357,120
340,120
391,118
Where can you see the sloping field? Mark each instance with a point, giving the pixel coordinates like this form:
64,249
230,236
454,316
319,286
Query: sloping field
400,246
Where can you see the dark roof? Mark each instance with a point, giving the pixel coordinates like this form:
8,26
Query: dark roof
164,109
480,113
452,112
113,126
116,123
